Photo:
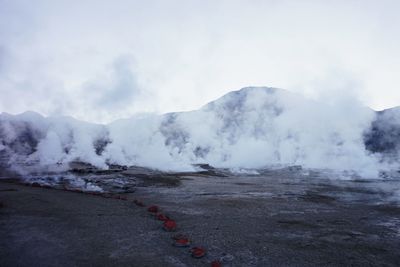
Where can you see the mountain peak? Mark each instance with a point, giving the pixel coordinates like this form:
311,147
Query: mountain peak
258,88
252,90
238,97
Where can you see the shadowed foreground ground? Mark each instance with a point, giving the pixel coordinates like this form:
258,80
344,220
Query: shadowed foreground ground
278,218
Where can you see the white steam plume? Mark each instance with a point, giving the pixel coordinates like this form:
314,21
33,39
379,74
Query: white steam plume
250,128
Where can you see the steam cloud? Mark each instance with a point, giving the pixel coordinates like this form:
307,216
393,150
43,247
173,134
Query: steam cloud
250,128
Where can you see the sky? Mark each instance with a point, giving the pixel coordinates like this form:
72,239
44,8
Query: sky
104,60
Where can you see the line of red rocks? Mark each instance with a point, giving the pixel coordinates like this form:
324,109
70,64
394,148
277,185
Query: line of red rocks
169,224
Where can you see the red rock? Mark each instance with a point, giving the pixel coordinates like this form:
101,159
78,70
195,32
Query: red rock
198,252
182,242
153,209
169,225
216,263
162,217
179,236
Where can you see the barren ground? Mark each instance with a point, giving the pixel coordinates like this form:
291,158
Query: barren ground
286,217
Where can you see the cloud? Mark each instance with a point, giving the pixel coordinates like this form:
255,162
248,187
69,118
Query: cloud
63,57
124,86
116,88
3,60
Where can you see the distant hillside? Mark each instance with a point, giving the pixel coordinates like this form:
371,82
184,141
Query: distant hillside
250,128
384,134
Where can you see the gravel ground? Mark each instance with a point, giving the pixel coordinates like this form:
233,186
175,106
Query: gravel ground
275,218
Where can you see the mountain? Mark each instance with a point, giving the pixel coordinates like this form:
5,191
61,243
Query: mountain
250,128
384,134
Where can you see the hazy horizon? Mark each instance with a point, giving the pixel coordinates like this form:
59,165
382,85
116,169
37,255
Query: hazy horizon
101,60
177,111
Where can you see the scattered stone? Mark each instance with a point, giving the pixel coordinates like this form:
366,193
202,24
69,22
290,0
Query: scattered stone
169,225
216,263
182,242
198,252
162,217
153,209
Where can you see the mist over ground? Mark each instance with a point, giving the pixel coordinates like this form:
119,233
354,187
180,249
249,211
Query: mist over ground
251,128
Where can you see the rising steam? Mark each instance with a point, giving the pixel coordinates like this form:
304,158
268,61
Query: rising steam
250,128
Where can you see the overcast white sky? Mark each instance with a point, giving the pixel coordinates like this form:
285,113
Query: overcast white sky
103,60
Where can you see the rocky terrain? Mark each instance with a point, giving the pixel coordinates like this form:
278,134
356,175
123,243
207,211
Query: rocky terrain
273,217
